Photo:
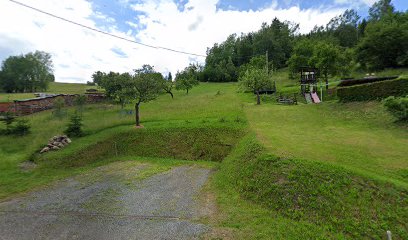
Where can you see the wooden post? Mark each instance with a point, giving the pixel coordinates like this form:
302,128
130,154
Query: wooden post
389,235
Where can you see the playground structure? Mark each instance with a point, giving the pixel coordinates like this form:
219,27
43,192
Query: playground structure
308,84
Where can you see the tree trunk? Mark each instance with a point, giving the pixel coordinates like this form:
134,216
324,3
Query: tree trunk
187,91
171,94
137,114
258,98
327,82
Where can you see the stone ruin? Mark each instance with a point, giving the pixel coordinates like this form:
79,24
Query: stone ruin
56,143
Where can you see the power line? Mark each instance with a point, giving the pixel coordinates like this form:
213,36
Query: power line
103,32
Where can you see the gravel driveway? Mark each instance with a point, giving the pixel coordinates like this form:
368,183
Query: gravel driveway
111,203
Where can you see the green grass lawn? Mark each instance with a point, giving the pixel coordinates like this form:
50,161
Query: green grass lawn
339,156
359,136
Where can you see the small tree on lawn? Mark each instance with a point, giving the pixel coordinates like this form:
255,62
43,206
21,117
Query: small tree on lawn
167,85
58,104
255,80
74,128
8,119
79,102
144,87
187,79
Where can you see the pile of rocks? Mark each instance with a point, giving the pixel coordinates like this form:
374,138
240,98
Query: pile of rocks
56,143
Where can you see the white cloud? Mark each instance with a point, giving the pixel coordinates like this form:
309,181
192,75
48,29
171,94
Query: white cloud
84,51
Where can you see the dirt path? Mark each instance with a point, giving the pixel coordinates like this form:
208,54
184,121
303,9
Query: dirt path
111,203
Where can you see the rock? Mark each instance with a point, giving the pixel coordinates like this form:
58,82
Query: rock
55,148
60,145
44,150
56,143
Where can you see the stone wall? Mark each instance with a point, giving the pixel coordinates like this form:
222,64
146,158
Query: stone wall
6,107
33,105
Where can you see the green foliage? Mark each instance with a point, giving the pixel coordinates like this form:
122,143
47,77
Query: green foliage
397,107
74,127
80,101
187,79
22,127
224,59
26,73
58,106
97,77
384,43
255,80
380,9
344,28
328,196
167,85
301,55
373,91
8,119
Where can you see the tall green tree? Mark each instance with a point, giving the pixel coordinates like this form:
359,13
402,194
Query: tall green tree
97,77
326,59
380,9
301,55
384,43
27,73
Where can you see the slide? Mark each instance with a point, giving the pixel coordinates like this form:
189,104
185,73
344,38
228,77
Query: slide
315,98
308,98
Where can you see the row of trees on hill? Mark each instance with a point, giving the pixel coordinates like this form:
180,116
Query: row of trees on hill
26,73
143,85
346,43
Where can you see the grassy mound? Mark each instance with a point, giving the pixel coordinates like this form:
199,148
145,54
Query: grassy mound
209,144
330,197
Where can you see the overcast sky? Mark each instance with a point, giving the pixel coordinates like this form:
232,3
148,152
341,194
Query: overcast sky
185,25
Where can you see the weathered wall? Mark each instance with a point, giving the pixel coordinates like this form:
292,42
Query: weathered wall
30,106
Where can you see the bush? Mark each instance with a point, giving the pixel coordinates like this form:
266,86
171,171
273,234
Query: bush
352,82
397,107
22,127
373,91
59,103
74,128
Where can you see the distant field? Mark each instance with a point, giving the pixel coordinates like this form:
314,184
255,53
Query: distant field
54,87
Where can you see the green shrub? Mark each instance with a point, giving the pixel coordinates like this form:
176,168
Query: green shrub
397,107
22,127
74,128
373,91
8,119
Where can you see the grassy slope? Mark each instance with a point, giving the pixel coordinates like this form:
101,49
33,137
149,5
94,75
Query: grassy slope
202,106
54,87
359,136
250,208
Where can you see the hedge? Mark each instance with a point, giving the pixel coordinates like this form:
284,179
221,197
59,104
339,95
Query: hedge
373,91
352,82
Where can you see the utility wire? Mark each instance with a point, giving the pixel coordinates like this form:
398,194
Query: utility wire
103,32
